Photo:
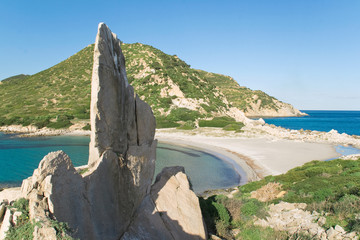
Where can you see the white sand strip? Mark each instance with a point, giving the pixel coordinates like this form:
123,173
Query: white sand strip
263,156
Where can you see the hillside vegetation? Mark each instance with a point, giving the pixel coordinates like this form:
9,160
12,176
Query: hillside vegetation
240,97
332,189
56,96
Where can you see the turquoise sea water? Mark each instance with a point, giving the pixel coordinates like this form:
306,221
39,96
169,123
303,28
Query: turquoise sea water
342,121
20,156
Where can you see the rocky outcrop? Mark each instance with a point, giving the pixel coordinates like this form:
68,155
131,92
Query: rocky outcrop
118,118
114,198
5,222
9,216
172,207
351,157
278,109
293,217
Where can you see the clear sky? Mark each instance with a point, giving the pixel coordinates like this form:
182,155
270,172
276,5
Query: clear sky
304,52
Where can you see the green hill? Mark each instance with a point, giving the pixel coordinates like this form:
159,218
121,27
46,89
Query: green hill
20,76
173,89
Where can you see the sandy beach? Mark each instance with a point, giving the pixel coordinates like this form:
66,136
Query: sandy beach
258,157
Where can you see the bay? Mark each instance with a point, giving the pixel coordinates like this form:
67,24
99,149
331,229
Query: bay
20,156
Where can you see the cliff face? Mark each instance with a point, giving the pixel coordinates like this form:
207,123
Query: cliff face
114,198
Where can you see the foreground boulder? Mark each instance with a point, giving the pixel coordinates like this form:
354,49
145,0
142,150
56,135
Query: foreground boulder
114,198
171,206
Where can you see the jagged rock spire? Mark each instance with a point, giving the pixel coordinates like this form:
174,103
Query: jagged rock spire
118,118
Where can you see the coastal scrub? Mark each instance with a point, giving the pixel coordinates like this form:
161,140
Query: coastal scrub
330,189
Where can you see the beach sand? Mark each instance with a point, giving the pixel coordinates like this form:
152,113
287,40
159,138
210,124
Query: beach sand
258,157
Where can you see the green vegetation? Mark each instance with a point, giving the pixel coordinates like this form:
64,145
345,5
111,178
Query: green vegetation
82,170
189,125
234,127
64,89
240,97
163,122
87,127
62,121
24,228
16,77
62,229
331,188
227,123
183,114
217,122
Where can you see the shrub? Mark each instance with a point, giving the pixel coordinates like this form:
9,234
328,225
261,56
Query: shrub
222,213
233,206
208,108
233,127
62,121
217,122
209,213
87,127
42,122
162,122
252,186
251,207
189,125
322,194
353,225
222,229
62,230
183,114
22,205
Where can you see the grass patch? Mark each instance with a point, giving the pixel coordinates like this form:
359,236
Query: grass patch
24,228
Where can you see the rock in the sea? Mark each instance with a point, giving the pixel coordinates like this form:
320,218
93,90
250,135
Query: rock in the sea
114,196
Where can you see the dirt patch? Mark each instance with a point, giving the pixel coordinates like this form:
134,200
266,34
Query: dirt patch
268,192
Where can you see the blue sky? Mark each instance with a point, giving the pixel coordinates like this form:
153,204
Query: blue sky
304,52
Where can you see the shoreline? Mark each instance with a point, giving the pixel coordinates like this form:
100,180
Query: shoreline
258,157
241,164
258,151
